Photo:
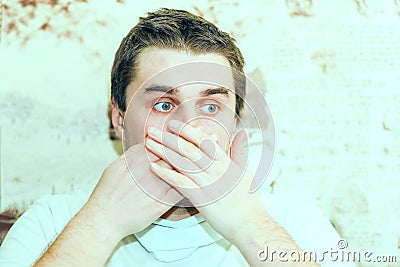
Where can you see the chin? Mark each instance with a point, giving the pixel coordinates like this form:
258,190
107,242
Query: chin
184,203
181,210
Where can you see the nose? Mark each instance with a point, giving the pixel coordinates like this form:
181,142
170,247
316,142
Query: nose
185,112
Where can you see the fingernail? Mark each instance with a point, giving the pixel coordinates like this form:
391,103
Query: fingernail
153,131
150,143
173,124
155,167
153,164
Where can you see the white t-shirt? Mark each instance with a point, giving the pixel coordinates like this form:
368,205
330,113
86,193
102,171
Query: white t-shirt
189,242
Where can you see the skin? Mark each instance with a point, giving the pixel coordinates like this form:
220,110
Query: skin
155,160
145,106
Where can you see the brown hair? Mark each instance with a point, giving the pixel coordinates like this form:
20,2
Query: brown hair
174,29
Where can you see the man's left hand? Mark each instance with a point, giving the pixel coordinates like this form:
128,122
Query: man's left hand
217,184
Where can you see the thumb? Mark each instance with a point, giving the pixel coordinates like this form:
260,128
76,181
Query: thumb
239,148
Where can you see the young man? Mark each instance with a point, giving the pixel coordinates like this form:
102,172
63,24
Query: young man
175,107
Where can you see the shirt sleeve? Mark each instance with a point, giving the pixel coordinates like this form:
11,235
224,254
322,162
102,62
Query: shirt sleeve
36,229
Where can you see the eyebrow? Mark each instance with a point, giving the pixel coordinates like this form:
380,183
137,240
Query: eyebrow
215,91
174,91
162,89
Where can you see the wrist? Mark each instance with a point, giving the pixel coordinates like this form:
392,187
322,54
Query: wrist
99,223
259,230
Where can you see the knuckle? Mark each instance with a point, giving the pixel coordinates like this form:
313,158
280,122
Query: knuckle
178,182
195,154
187,150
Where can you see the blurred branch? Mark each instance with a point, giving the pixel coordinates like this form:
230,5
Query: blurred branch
25,18
397,6
299,7
361,7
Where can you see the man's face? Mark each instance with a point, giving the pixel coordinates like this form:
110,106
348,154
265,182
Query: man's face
157,95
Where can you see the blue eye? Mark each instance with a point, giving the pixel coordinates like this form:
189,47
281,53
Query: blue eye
163,106
210,108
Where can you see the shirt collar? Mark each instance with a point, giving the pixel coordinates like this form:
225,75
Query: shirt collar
170,240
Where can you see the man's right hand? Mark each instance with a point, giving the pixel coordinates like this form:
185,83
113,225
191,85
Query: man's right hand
117,207
119,201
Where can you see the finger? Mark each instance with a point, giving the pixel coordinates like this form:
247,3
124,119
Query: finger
190,133
137,155
154,158
185,186
151,156
172,177
182,147
181,164
133,156
197,137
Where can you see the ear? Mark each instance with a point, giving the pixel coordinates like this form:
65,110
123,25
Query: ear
117,118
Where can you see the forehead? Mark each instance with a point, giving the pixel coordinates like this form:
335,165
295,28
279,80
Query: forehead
175,68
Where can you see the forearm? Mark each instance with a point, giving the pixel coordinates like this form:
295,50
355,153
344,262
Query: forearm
84,242
265,243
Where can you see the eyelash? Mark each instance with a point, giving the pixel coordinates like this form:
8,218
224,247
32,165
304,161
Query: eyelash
215,105
218,108
163,102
